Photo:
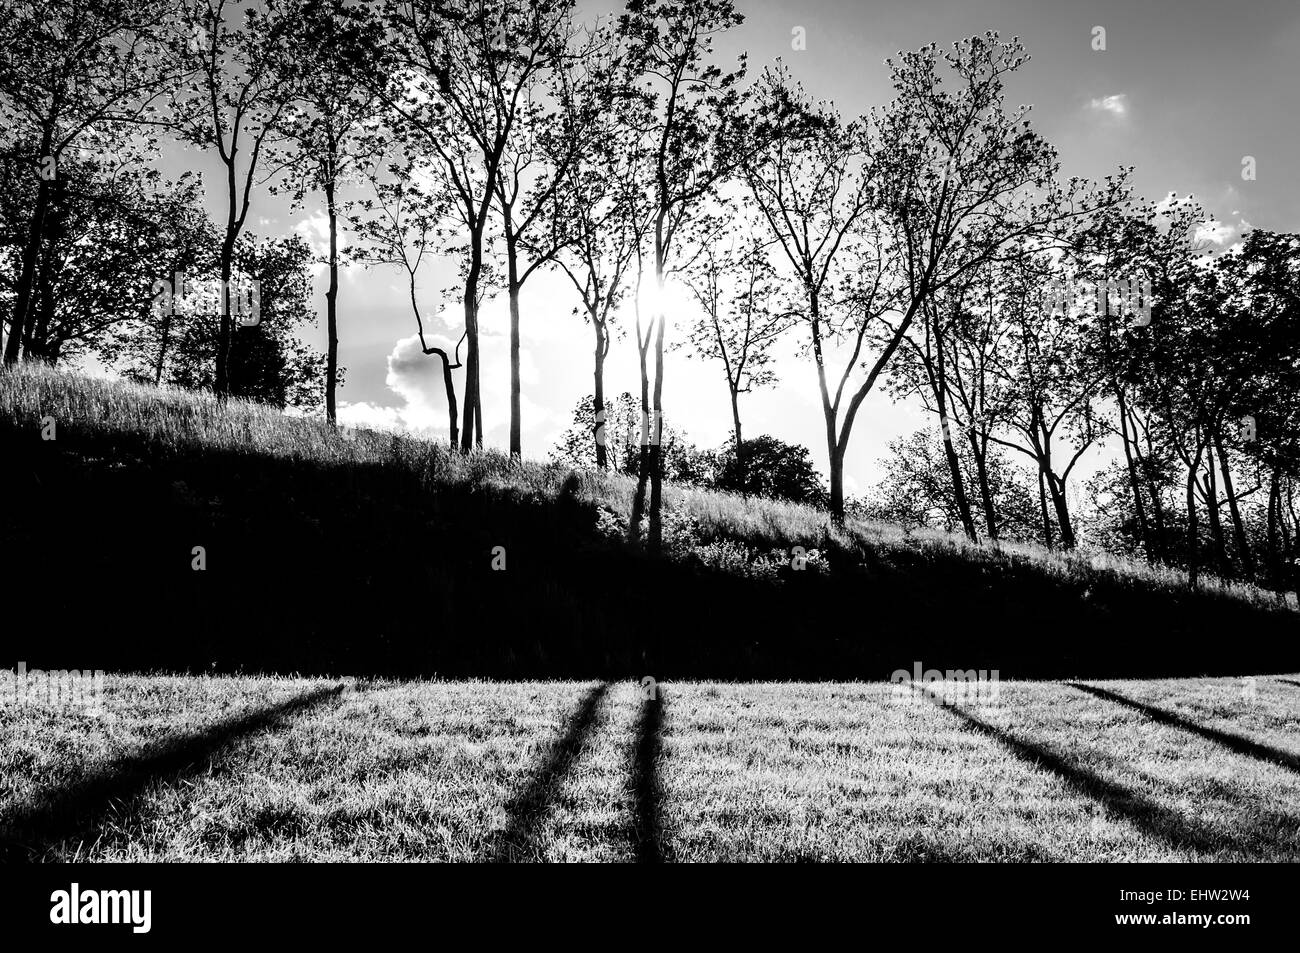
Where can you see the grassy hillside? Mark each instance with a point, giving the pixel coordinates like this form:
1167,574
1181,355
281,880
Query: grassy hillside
374,555
197,769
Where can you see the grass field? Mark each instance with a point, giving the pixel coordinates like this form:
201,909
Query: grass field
371,554
222,768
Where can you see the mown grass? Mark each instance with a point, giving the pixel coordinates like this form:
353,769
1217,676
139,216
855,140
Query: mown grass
186,768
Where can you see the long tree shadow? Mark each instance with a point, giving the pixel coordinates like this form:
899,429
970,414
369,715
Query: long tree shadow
525,811
648,832
1227,739
1170,826
1290,681
118,787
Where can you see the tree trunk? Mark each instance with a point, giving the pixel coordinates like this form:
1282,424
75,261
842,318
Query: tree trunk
656,448
740,443
643,459
1042,506
451,399
1238,526
834,453
1287,538
599,436
939,386
470,415
1212,513
221,385
38,344
837,485
27,272
1193,530
516,424
1274,551
163,338
958,483
1059,503
1139,507
331,308
979,450
512,286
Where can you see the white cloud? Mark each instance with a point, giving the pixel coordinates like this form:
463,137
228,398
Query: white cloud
1115,105
1215,232
315,231
371,417
415,378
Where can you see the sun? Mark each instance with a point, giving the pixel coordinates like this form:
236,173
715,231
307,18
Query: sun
672,300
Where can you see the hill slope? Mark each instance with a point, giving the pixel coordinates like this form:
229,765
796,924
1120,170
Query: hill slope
375,555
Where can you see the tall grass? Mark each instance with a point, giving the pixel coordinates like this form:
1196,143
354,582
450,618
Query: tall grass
697,520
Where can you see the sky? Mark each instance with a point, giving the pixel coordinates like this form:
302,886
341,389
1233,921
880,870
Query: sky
1184,91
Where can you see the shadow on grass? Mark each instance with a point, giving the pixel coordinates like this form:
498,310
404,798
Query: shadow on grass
648,787
1170,826
116,789
1227,739
1290,681
526,810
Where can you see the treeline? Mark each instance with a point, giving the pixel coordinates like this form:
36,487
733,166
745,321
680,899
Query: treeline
1194,380
930,246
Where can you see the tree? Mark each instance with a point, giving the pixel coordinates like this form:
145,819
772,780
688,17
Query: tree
329,127
233,100
927,374
741,314
75,73
274,367
1221,353
768,466
111,233
1263,281
697,135
454,76
617,431
557,125
400,227
961,180
614,427
917,488
1047,392
816,195
600,206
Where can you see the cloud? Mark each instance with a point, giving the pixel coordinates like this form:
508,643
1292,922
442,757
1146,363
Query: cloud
315,231
371,417
1115,106
416,380
1216,232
